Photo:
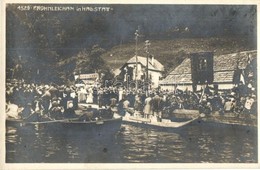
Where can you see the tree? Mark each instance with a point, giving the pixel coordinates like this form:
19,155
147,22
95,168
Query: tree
90,61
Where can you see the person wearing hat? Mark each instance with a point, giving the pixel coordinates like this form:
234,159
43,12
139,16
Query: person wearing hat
100,98
95,95
56,111
69,112
113,102
229,105
208,108
87,115
106,97
217,104
46,100
137,103
67,98
131,99
126,104
27,111
37,104
157,105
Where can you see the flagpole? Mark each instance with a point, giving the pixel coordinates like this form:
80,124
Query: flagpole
147,45
136,58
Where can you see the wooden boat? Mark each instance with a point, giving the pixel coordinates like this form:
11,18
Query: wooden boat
61,121
98,127
68,124
164,123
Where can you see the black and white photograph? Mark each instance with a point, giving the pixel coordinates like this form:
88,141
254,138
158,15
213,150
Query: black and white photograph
130,83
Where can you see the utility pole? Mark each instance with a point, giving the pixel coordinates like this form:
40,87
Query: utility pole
147,45
136,58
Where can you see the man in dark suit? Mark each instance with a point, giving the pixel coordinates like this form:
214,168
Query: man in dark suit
157,105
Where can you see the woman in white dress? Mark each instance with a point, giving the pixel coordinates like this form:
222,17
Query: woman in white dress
82,95
90,96
147,107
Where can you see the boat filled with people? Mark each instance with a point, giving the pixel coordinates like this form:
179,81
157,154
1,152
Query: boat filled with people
83,118
153,121
65,122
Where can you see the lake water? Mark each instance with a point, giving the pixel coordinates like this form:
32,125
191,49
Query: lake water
196,143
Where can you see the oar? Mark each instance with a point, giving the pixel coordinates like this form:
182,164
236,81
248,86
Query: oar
26,118
180,124
54,121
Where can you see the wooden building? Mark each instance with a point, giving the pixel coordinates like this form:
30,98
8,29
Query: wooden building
227,71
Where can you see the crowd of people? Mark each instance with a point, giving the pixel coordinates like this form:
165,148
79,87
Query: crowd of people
49,100
60,101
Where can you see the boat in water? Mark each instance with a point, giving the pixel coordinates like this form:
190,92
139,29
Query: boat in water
153,121
108,124
227,118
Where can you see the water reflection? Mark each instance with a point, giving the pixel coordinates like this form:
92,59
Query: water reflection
146,145
195,144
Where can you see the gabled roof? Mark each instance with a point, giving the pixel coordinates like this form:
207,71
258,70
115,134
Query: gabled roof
183,68
157,66
232,61
224,67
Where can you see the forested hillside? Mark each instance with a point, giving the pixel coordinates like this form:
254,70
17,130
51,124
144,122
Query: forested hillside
172,52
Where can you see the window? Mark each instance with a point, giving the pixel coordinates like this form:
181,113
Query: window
203,65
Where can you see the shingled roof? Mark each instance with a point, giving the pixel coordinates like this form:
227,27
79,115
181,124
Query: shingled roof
224,67
156,66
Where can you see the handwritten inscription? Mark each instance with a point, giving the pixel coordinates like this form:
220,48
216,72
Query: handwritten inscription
63,8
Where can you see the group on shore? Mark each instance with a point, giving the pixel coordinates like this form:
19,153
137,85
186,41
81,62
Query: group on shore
60,101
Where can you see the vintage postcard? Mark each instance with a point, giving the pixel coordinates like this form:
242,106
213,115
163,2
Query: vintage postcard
129,85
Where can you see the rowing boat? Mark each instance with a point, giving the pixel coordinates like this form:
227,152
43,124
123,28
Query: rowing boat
62,121
23,122
164,123
68,124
